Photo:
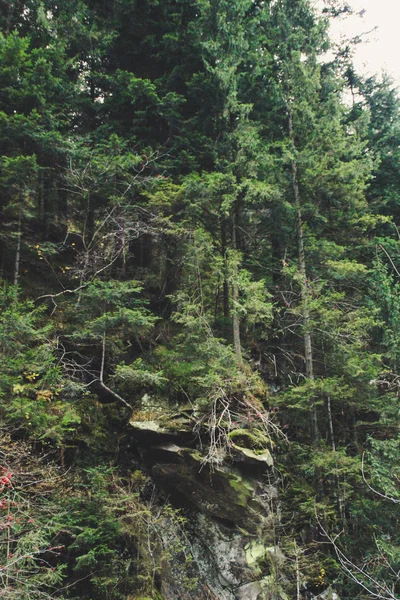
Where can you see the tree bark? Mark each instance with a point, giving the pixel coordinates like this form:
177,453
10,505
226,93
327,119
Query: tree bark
235,300
225,273
305,292
18,250
330,422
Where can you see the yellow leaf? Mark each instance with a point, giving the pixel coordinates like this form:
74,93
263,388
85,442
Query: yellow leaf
18,388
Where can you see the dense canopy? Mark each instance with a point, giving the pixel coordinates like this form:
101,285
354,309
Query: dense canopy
199,294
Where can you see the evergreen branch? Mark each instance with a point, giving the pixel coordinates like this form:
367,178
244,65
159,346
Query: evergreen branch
380,494
390,259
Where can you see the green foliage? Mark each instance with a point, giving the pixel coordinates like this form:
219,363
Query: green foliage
385,296
118,309
29,554
32,382
137,375
192,146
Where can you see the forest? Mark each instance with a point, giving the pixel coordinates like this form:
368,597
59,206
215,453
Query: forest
199,304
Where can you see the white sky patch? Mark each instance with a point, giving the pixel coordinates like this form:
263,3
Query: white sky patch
379,50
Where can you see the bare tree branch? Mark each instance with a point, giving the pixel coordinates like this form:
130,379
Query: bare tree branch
391,499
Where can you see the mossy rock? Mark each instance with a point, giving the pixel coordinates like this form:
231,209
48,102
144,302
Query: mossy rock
258,556
263,457
265,589
250,446
254,439
153,426
219,491
156,415
158,423
255,555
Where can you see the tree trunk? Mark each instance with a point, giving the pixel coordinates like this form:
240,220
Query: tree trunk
225,273
305,292
330,422
235,301
18,250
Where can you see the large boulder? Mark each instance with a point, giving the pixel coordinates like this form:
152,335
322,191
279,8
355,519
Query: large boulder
231,503
220,491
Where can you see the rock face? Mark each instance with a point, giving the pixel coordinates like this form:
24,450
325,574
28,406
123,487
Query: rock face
219,491
229,532
328,594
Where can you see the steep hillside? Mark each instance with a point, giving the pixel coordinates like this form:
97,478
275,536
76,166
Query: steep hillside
199,347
